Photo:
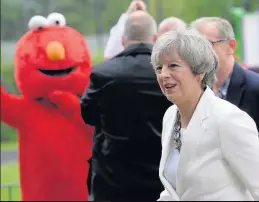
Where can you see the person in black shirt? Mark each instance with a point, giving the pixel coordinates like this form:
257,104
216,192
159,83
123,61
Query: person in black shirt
125,104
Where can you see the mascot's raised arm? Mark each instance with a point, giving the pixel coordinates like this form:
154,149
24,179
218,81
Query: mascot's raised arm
52,68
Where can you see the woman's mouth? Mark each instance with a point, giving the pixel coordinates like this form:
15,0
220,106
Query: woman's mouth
169,86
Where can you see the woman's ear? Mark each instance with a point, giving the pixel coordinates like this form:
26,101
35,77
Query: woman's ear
200,77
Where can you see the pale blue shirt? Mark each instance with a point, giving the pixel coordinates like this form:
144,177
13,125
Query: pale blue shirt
171,166
223,90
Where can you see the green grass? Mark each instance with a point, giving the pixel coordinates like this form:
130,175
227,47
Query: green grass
9,145
10,175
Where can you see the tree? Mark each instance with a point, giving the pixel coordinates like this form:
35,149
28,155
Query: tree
91,16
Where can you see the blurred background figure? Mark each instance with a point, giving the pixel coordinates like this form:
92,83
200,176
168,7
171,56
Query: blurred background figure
114,45
171,23
234,83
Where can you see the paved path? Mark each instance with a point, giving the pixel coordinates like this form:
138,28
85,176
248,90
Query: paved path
8,156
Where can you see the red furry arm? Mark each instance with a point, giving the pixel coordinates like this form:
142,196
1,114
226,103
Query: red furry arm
12,109
69,106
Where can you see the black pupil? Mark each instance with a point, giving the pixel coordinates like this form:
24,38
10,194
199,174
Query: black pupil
40,27
57,22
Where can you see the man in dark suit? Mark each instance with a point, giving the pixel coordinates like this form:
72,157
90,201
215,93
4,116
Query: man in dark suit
125,104
255,69
234,83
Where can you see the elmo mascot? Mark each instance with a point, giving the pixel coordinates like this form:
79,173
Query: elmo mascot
52,67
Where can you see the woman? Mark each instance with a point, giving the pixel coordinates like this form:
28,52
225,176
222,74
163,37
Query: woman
210,147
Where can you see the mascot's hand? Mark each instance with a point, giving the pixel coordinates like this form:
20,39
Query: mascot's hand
13,109
66,102
69,105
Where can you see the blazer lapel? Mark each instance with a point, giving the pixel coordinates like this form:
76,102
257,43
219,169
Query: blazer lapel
165,152
191,138
236,86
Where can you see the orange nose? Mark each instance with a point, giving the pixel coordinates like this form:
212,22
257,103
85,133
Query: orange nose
55,51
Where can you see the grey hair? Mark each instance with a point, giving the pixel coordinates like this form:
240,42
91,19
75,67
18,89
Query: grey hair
225,29
177,23
140,28
193,48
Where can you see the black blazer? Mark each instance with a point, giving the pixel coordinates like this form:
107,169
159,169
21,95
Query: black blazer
125,104
243,91
255,69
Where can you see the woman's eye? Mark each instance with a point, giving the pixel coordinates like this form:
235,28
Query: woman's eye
172,65
158,69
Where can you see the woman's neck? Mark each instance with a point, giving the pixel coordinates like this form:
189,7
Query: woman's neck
187,108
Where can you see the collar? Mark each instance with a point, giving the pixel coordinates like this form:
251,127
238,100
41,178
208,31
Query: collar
224,87
138,48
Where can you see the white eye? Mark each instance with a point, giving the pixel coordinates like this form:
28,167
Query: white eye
56,19
38,22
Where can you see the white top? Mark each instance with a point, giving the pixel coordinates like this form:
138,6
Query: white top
172,161
114,45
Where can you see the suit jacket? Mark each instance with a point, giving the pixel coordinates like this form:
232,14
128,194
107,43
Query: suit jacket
243,91
125,104
254,69
219,159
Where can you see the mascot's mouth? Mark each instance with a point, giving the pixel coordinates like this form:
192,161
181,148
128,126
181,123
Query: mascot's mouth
57,72
42,98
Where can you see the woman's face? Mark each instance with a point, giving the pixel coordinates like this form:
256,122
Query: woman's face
176,79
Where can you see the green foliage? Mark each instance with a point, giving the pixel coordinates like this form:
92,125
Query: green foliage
7,76
98,57
189,10
98,16
87,16
8,134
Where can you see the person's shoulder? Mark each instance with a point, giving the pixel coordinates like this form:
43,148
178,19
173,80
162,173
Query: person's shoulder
104,64
222,107
225,112
105,68
252,79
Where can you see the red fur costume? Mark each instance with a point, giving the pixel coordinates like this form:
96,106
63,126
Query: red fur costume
52,67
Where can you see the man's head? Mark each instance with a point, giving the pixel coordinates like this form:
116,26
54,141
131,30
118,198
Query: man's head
221,35
171,23
140,27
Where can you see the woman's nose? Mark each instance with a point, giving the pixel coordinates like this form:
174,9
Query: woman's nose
165,72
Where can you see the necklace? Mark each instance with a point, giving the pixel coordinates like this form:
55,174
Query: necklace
178,126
